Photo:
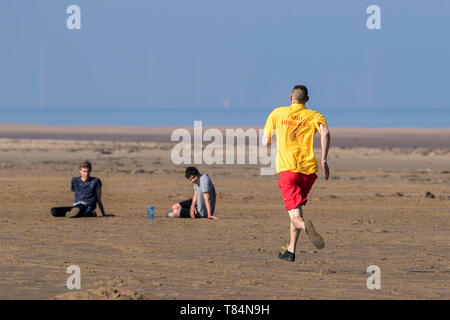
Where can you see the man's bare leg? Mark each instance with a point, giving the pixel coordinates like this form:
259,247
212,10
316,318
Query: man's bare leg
295,233
176,209
296,216
297,224
297,221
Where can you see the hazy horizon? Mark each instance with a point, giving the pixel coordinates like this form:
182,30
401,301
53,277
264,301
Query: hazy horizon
175,117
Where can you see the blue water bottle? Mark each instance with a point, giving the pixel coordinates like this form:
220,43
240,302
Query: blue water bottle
151,213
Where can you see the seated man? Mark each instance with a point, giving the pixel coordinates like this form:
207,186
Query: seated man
88,192
203,203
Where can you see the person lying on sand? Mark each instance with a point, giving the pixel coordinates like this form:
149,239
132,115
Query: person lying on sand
203,203
296,163
88,192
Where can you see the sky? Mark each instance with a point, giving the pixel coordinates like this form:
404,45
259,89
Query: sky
230,61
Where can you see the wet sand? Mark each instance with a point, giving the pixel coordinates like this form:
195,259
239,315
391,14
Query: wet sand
373,211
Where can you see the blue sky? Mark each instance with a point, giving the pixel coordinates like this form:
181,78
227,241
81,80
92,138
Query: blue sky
205,55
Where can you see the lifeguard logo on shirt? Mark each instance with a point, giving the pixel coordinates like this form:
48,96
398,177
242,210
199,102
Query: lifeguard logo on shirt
294,123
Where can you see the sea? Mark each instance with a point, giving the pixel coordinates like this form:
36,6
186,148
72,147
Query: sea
235,117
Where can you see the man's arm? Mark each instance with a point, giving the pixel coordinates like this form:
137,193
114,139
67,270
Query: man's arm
325,143
207,196
99,201
266,140
194,204
269,129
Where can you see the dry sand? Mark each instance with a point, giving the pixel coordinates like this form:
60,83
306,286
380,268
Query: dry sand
372,211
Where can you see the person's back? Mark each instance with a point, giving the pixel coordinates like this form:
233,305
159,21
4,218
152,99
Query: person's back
296,128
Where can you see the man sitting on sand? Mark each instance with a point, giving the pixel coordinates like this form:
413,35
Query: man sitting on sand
296,163
88,192
203,203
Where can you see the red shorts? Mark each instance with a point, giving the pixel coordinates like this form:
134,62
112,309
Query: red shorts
295,187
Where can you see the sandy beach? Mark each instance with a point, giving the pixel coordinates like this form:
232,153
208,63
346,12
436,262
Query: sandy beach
387,203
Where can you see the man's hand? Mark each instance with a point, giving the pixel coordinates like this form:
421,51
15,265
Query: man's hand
326,170
266,140
325,142
108,215
193,212
213,218
99,201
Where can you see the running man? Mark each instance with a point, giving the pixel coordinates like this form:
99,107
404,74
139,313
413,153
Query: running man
296,163
202,204
87,191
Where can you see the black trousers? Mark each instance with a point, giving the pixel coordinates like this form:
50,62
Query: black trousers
85,211
185,211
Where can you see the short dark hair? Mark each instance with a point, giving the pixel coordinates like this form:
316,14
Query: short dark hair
86,164
191,171
300,93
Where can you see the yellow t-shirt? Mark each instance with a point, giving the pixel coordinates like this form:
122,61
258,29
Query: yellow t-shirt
296,128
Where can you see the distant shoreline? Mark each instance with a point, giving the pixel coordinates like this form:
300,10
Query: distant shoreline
341,137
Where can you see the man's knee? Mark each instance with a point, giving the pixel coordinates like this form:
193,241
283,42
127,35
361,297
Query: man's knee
296,213
176,212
